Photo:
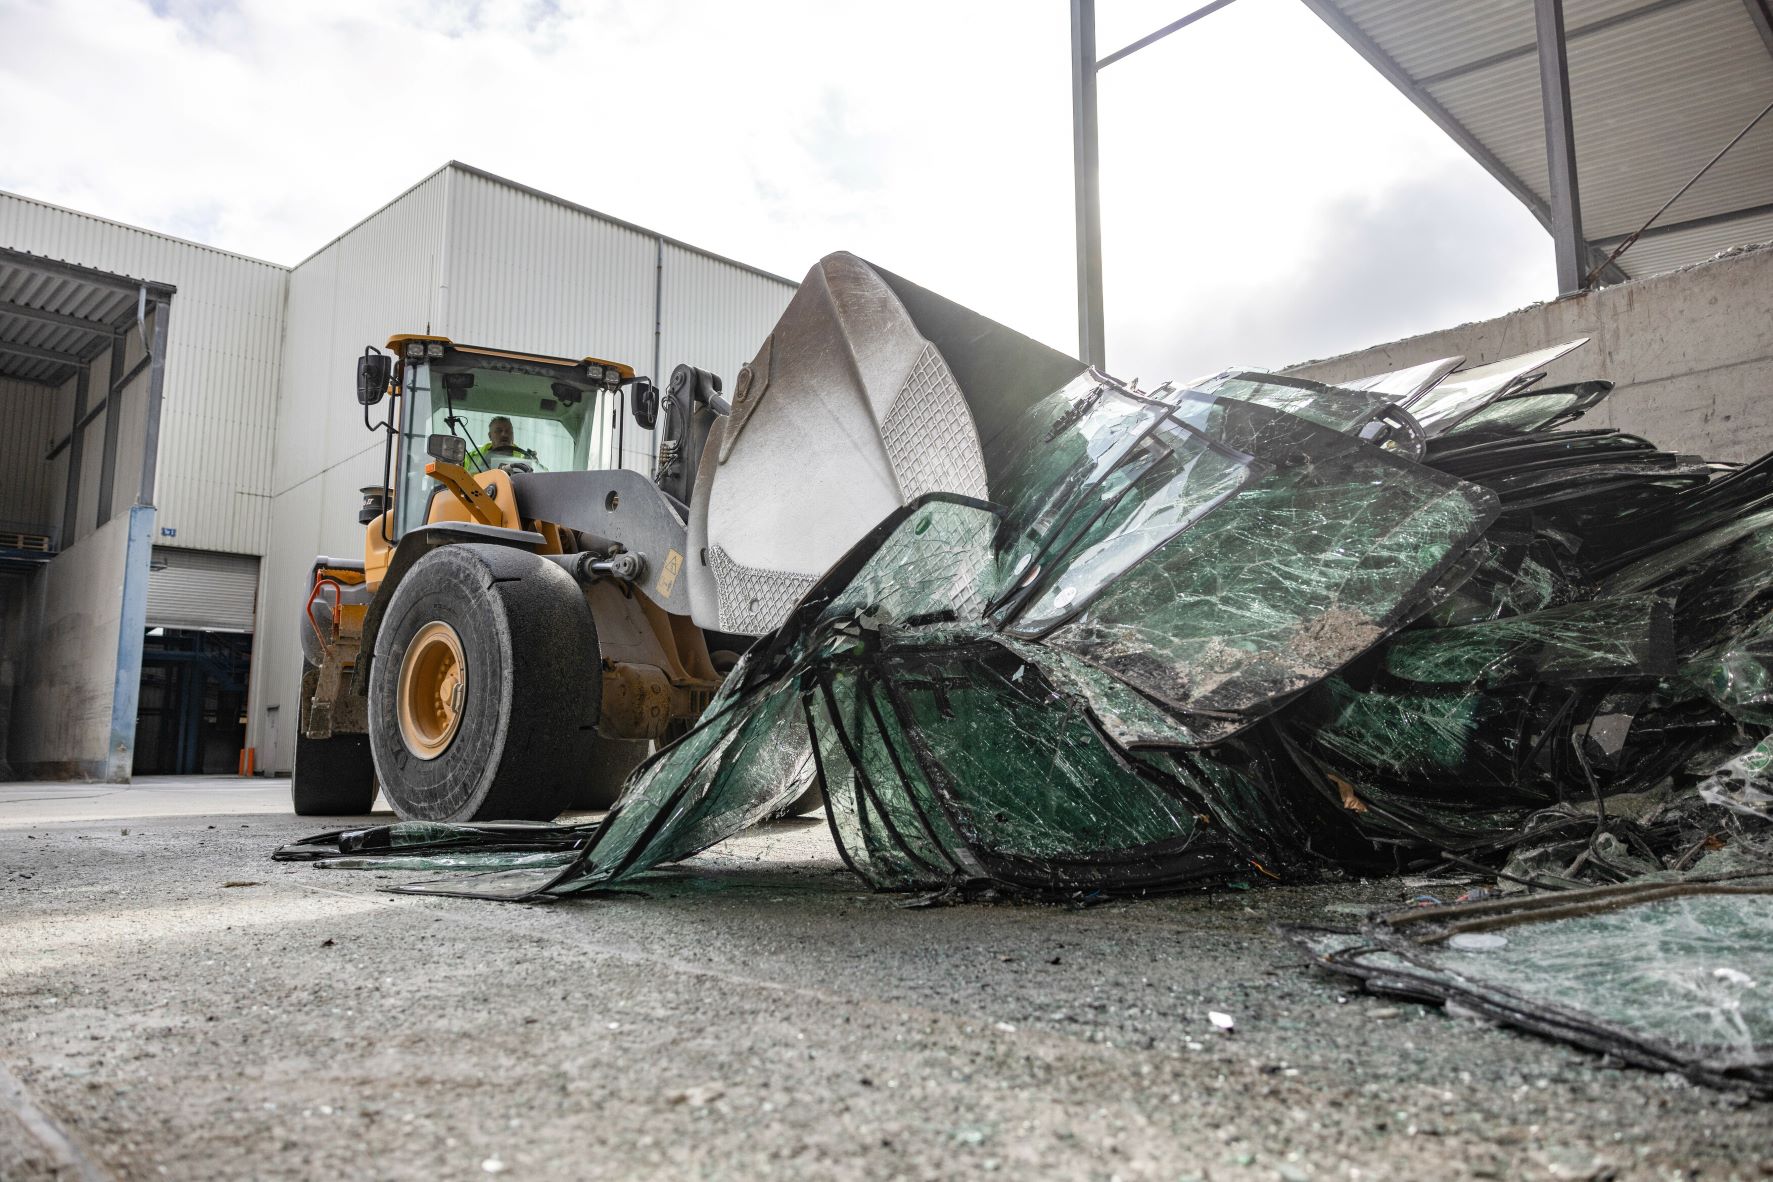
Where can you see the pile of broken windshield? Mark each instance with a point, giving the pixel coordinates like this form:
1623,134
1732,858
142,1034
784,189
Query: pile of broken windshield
1263,627
1257,626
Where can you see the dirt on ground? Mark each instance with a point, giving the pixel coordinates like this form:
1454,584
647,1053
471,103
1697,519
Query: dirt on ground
176,1005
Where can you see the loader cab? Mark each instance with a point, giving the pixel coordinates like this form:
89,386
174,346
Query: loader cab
550,404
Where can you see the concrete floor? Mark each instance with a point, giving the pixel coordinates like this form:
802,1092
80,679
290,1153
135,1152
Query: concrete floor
175,1005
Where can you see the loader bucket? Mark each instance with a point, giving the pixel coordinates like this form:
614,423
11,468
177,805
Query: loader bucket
870,392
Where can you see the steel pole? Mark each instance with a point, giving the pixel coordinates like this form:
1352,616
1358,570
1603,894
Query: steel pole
1560,146
1086,178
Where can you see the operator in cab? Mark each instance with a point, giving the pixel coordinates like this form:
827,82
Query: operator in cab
501,448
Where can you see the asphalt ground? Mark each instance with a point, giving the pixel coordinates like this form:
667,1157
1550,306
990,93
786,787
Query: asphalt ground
173,1004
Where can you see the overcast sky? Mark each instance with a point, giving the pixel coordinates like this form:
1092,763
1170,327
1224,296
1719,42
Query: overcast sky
1267,197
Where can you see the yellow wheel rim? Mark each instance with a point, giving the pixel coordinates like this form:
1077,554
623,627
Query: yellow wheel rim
433,690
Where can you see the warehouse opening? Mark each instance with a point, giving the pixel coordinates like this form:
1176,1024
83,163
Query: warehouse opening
196,657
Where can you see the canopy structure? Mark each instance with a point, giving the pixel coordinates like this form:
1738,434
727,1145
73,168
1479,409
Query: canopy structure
60,324
56,317
1638,132
1595,113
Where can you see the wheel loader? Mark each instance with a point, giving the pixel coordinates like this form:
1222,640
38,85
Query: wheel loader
520,629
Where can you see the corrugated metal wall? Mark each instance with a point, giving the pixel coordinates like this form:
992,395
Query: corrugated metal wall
30,490
528,273
482,261
532,272
221,368
262,444
262,447
714,315
378,278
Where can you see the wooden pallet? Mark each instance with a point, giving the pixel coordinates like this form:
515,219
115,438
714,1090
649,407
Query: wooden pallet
11,540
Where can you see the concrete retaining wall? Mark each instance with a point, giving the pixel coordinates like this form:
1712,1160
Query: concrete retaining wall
1690,352
80,659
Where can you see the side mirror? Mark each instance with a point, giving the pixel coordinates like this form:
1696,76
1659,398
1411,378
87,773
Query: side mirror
373,373
447,449
643,401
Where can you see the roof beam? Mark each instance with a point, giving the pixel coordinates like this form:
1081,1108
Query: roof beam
1576,34
1560,147
60,319
35,354
1173,26
1698,223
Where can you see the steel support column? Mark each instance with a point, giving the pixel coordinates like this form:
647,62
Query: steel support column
113,423
1091,345
156,395
71,499
1560,147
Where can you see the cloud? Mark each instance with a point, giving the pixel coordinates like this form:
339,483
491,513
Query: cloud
1266,195
1421,255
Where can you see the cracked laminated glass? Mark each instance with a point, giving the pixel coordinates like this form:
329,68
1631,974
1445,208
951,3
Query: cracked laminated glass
1667,976
1343,410
1066,446
1520,575
1451,741
737,766
1626,637
1186,478
1281,586
1465,392
939,562
966,762
1401,385
1539,410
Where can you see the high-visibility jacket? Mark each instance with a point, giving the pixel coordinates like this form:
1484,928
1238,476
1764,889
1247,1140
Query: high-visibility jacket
484,459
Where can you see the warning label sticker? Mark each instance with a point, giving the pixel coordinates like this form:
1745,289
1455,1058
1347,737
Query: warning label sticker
668,574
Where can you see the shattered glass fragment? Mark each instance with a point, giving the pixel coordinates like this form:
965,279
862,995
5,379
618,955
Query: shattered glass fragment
1539,409
1402,385
1666,976
1281,586
1465,392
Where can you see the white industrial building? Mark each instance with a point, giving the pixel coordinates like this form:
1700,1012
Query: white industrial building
182,438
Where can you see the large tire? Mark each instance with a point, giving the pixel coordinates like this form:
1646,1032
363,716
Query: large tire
333,777
521,735
609,772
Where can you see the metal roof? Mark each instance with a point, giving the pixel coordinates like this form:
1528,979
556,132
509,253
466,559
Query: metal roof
56,316
1657,88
